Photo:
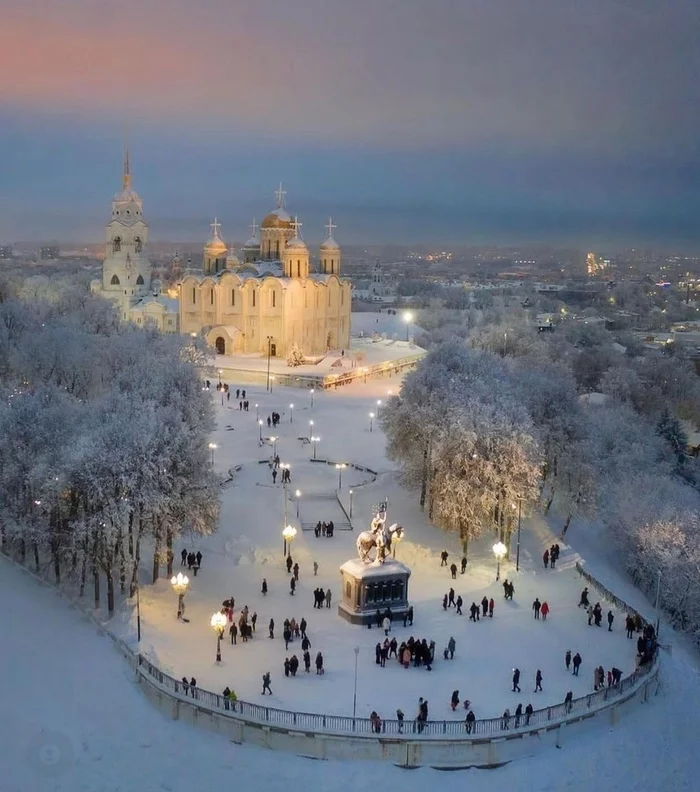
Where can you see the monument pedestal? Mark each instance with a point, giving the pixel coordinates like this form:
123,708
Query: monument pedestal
368,588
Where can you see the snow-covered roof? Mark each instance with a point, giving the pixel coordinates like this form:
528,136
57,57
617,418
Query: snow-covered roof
276,218
253,242
330,244
170,304
296,243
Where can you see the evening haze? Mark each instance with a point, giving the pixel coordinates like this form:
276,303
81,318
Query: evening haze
455,121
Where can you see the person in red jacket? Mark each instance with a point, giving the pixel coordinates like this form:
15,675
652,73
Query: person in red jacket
544,610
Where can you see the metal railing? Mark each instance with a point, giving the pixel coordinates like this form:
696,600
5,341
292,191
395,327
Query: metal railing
485,728
608,595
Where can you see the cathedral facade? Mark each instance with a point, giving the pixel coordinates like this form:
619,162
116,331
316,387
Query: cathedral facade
268,301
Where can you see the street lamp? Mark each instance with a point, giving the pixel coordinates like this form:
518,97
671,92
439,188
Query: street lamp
269,355
257,413
288,535
272,379
314,441
371,421
354,695
350,515
218,623
291,413
312,397
379,406
408,318
260,425
311,429
297,495
339,467
180,583
274,446
499,550
212,448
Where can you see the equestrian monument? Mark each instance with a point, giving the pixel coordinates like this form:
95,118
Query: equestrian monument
375,582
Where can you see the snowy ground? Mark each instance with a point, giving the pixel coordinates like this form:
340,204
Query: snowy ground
248,547
71,690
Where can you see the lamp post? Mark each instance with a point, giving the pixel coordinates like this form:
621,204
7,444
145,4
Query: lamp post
274,446
291,413
517,547
371,421
269,351
339,467
288,535
350,515
379,407
657,604
221,371
297,495
272,379
218,623
260,426
315,440
499,550
312,397
311,429
179,583
354,694
138,613
408,318
212,448
257,413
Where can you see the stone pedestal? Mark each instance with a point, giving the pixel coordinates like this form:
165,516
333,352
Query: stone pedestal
367,588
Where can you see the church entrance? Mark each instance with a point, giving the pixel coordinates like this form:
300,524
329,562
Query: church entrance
220,346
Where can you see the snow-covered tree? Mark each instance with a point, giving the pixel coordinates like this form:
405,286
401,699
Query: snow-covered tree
296,356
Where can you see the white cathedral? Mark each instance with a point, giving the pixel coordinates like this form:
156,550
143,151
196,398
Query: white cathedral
266,303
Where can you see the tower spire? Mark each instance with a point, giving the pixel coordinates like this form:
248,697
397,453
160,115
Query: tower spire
280,193
126,177
254,228
330,226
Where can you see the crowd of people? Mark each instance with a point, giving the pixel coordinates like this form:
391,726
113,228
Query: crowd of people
324,529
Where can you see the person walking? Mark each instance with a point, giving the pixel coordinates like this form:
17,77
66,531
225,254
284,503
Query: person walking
469,721
443,556
577,663
518,715
611,618
459,603
444,602
183,557
484,606
292,585
233,632
528,714
544,610
315,568
271,628
454,700
399,717
199,558
295,569
266,683
538,681
545,558
590,615
451,646
567,658
536,608
386,625
453,571
264,587
629,626
302,627
319,663
584,598
328,598
451,598
464,564
516,680
492,605
254,619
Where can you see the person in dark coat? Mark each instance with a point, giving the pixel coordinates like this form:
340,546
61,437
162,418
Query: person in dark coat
199,558
492,605
444,602
293,665
183,557
453,571
286,666
409,615
443,558
271,628
302,627
568,701
474,612
193,687
295,569
305,643
611,617
289,563
451,598
536,608
629,626
518,715
233,632
584,598
266,683
460,602
378,653
254,620
292,586
577,663
264,587
538,681
454,700
516,680
185,685
485,606
287,635
528,714
545,558
319,663
464,564
469,721
567,658
307,662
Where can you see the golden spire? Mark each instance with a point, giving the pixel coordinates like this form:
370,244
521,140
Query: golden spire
126,178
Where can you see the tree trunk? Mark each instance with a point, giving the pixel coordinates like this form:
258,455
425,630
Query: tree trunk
37,567
156,553
424,477
22,551
169,551
131,534
465,544
137,561
110,587
566,525
56,560
550,500
95,571
83,574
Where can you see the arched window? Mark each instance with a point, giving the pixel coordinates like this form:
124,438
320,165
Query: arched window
211,296
253,297
114,281
274,299
138,245
298,269
194,294
139,280
233,296
117,244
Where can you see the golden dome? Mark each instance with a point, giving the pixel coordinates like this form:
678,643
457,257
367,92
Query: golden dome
277,219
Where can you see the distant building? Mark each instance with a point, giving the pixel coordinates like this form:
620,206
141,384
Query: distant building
6,252
48,252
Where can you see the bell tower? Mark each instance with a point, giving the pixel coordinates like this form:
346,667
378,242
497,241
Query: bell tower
126,271
295,256
330,252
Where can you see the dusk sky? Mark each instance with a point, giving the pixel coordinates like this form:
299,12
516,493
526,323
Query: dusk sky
456,121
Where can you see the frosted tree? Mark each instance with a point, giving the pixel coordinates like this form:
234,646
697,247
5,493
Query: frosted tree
296,356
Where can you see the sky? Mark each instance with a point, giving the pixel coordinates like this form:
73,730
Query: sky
410,121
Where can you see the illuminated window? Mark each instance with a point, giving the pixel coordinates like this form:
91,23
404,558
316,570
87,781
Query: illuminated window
233,296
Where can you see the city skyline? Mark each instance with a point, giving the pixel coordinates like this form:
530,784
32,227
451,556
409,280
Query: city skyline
500,122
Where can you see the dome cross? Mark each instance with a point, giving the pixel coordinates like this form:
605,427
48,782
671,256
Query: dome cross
215,228
279,194
254,228
330,226
296,225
